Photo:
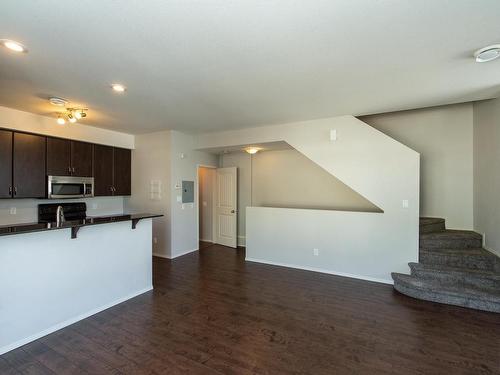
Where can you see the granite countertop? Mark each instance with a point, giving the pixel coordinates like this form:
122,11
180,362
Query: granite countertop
6,230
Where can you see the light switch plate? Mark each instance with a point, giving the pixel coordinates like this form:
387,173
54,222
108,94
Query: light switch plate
333,134
406,204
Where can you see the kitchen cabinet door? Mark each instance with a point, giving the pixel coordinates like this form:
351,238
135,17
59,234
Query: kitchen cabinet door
81,159
103,170
5,164
58,157
29,175
122,172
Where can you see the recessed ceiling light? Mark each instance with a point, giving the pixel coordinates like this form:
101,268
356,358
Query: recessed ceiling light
118,87
61,120
489,53
13,45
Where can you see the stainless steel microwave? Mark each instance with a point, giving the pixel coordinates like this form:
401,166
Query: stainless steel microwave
70,187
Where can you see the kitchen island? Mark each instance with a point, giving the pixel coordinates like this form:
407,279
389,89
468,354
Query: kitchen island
54,275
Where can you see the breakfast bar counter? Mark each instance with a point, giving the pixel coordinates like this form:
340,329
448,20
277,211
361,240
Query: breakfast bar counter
54,275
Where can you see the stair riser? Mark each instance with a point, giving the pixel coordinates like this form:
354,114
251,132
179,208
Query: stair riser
461,261
454,279
450,243
430,228
450,300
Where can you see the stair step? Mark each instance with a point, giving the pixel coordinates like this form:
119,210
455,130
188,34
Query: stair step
435,291
468,259
457,276
431,224
451,239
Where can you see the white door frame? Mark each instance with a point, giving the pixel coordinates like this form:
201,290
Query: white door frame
198,166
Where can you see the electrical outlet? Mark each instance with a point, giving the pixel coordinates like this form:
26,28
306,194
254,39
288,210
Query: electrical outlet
94,206
316,252
13,211
155,240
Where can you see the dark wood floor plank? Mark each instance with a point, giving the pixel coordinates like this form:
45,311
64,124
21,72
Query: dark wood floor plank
52,359
212,312
26,363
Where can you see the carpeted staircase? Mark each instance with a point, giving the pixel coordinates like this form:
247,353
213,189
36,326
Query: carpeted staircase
453,269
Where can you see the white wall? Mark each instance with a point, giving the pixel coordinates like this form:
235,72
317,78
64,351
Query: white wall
376,166
206,181
443,137
184,217
487,172
151,162
48,280
29,122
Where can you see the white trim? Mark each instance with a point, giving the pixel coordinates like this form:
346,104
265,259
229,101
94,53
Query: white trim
69,321
184,253
321,270
160,255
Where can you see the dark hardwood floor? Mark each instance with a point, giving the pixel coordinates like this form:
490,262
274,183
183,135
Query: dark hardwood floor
212,313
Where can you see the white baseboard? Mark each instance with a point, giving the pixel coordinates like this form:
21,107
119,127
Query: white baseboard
160,256
57,327
184,253
206,240
321,270
497,253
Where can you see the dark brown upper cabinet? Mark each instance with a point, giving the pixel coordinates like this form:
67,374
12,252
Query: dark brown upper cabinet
58,157
81,159
28,172
121,172
103,170
5,164
68,158
112,175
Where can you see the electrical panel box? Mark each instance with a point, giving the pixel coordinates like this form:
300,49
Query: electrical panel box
187,191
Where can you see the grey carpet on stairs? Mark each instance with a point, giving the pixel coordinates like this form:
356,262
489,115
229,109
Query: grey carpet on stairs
453,269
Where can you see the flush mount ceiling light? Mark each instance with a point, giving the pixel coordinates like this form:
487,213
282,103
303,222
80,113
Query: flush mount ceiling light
118,87
13,45
60,102
486,54
252,150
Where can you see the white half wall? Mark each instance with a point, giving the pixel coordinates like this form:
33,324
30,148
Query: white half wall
32,123
376,166
49,281
487,172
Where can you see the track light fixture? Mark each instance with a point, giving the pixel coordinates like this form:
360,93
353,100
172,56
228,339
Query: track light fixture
71,115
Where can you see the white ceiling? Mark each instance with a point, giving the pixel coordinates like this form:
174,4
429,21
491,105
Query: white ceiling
225,64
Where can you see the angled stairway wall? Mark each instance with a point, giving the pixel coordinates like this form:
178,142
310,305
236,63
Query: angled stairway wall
358,244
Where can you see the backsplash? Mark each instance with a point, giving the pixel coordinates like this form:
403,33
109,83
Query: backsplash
26,210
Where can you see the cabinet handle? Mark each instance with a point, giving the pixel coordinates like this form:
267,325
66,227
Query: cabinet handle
69,170
15,190
74,170
10,190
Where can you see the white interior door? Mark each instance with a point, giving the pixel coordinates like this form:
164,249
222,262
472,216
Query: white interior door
226,207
